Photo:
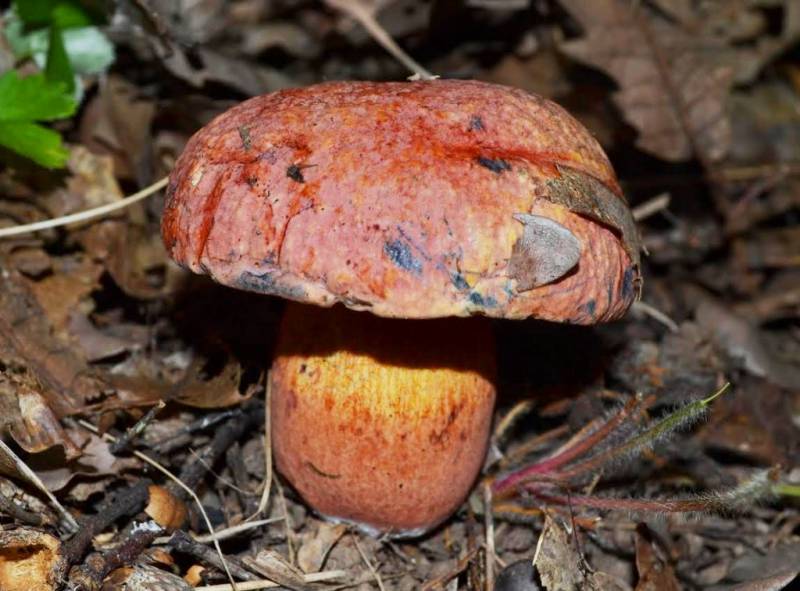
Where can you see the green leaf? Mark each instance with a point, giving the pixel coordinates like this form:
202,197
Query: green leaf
38,143
67,15
59,69
43,13
35,13
33,98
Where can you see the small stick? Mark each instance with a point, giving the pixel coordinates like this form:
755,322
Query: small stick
89,575
85,215
137,429
319,577
376,575
655,314
182,542
488,524
264,502
7,455
651,207
357,10
228,532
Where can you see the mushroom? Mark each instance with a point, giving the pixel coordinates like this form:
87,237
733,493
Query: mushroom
414,201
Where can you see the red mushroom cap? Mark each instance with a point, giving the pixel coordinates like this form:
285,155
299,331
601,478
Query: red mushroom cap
408,199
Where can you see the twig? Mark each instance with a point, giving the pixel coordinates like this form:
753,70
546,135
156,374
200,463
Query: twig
190,471
488,524
539,544
228,532
320,577
14,511
6,453
357,10
182,542
651,207
463,562
137,429
89,575
83,216
655,314
264,502
128,501
287,523
376,575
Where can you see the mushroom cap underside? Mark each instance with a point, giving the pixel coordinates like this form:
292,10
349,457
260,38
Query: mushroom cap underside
408,200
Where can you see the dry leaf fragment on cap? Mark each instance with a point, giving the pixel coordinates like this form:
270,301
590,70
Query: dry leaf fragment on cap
546,251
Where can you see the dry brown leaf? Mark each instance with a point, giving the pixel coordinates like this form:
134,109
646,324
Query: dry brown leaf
91,183
117,122
218,391
317,544
654,575
60,293
670,91
27,341
559,565
743,341
25,415
165,508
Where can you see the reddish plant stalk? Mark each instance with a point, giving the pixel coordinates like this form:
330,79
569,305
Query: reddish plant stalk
549,465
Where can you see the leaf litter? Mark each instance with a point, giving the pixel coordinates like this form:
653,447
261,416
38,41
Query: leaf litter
97,325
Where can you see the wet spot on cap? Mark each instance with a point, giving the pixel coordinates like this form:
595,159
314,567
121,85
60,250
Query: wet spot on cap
399,253
459,281
497,165
294,173
476,123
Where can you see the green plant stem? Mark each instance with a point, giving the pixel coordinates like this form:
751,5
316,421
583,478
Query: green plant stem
674,421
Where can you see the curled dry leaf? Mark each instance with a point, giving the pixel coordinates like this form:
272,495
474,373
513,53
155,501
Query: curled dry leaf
670,90
30,560
165,509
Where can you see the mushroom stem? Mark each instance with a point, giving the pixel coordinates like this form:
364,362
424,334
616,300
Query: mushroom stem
381,422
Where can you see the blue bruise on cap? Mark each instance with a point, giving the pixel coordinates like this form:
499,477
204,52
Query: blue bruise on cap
590,308
459,282
496,165
484,302
627,283
399,252
266,283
